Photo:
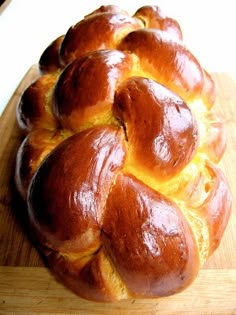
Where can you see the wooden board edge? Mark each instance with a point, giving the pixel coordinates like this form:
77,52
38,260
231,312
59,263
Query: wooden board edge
33,290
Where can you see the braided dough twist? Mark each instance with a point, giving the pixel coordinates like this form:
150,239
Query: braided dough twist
118,166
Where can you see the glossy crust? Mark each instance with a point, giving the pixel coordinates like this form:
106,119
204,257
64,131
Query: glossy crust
166,136
118,166
96,32
35,108
171,61
50,59
215,206
75,205
77,103
31,153
153,17
163,241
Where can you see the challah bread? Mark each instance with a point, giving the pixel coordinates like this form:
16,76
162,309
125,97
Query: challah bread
119,164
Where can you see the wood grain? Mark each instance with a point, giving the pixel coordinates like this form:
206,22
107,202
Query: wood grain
16,249
34,291
26,285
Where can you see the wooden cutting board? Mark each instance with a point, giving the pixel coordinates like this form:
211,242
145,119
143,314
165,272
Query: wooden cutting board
27,286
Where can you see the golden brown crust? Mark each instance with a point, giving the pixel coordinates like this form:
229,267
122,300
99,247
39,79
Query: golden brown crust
166,60
216,208
35,107
153,17
108,9
160,239
96,32
31,153
86,88
160,128
93,277
50,59
68,218
124,197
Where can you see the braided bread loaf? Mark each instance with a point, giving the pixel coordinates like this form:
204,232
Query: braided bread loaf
118,166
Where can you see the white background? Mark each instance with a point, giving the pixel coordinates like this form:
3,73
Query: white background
28,26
